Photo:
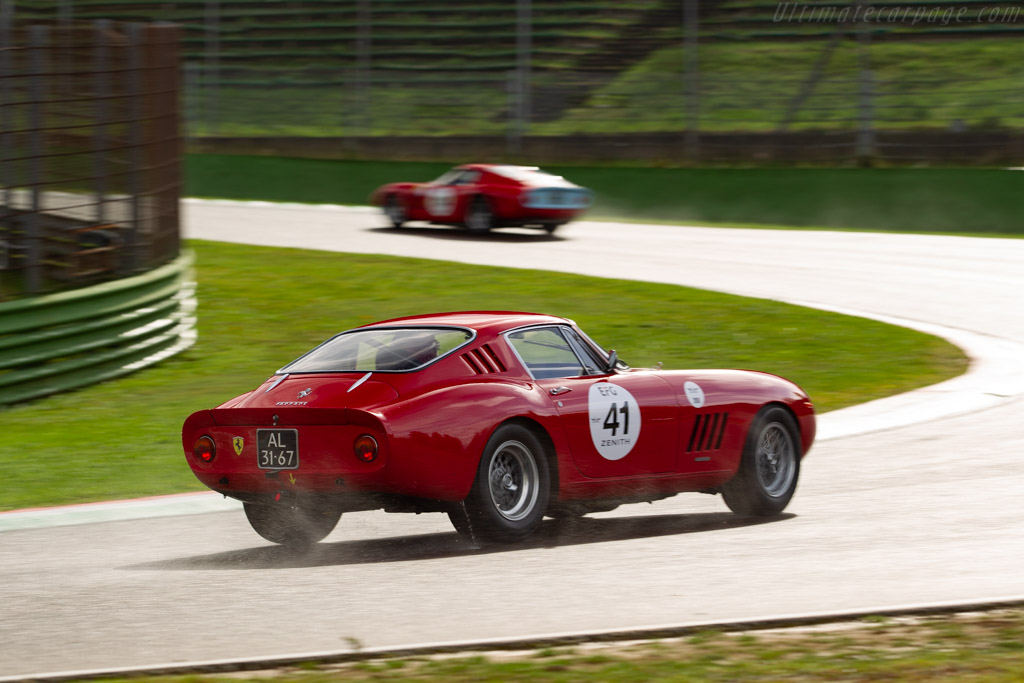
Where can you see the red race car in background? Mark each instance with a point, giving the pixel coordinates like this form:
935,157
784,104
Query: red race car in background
498,419
484,196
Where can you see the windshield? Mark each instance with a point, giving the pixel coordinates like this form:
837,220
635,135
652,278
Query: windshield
380,350
448,177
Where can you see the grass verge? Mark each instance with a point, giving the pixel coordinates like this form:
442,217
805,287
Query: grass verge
965,648
261,307
959,201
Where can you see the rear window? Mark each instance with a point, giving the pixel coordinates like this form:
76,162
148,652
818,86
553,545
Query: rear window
531,175
381,350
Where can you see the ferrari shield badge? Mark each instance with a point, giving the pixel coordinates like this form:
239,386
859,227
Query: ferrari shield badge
239,443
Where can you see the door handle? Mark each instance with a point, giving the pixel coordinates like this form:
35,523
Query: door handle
559,390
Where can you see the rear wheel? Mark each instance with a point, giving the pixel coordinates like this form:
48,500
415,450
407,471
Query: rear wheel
511,491
394,209
479,215
291,526
769,468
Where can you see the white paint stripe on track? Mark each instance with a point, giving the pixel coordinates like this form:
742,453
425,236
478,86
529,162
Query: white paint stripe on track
525,643
117,510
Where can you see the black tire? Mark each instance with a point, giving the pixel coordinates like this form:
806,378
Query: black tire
550,228
769,468
566,512
479,217
291,526
511,491
394,209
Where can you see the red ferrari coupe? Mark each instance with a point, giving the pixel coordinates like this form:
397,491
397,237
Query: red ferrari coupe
498,419
484,196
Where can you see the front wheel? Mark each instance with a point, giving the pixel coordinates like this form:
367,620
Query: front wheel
479,215
291,526
769,468
394,209
511,490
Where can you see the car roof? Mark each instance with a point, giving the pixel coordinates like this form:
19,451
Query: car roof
483,322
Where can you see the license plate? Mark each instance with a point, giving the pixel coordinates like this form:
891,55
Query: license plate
277,449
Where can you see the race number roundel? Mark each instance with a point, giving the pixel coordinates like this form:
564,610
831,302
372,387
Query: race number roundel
440,201
614,420
694,394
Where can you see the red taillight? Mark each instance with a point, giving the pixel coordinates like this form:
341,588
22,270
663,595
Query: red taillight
204,449
366,448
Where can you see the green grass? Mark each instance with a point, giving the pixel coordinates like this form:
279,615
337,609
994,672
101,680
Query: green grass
973,648
262,307
933,200
744,86
749,86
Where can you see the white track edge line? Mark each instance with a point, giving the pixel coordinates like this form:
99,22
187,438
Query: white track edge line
525,642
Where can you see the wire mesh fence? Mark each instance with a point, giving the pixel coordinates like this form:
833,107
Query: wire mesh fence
852,80
89,153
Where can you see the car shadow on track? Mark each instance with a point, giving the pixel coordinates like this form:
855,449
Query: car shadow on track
550,534
498,235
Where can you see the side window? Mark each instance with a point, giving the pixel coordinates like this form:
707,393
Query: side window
546,352
467,178
591,364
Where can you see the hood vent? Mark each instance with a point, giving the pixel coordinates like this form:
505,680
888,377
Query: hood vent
483,360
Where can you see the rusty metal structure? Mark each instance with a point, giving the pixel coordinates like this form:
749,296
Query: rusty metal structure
89,152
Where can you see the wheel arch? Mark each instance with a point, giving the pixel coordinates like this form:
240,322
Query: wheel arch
796,420
538,430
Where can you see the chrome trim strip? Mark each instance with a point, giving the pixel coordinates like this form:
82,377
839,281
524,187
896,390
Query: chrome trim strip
358,382
279,380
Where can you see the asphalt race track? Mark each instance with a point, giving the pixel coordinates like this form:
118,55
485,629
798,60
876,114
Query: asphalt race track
910,501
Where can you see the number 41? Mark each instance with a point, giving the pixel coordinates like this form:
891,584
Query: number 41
611,420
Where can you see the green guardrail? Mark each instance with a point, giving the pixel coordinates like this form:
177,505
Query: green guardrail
67,340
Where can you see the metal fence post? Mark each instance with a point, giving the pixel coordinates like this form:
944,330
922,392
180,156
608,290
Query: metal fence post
192,99
691,28
38,41
513,132
65,12
212,59
866,132
524,47
136,135
364,65
6,141
100,139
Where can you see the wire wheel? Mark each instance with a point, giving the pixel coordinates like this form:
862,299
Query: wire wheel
776,460
479,216
511,491
395,210
769,466
513,478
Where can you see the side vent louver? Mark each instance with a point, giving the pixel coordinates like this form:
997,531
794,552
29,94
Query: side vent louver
708,430
483,361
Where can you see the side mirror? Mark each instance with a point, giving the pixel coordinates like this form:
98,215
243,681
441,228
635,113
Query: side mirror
613,358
